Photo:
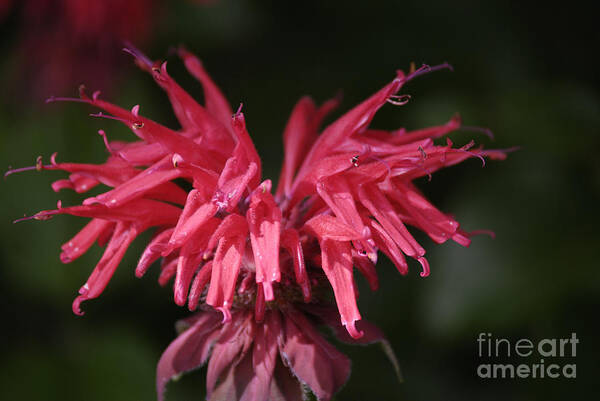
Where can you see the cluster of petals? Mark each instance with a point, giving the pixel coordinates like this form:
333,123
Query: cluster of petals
227,237
282,358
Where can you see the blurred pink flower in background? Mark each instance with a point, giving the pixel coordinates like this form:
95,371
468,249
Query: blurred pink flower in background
5,6
266,260
60,42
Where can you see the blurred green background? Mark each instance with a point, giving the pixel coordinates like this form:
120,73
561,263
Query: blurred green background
527,71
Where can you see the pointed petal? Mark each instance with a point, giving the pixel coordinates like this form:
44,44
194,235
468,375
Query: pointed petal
150,179
216,103
353,121
428,218
298,134
84,239
264,222
337,265
284,386
168,268
233,181
233,344
430,132
202,278
325,226
389,247
372,198
238,123
191,256
141,153
188,351
152,251
104,270
190,226
314,361
264,356
290,240
226,263
373,334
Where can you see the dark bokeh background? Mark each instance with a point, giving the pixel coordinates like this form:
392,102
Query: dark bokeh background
526,71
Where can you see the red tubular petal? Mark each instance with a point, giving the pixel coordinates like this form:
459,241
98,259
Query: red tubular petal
191,256
226,263
150,131
425,265
216,103
83,183
291,242
144,212
436,224
431,132
190,226
437,159
389,247
86,176
152,251
461,239
233,181
353,121
155,176
202,278
195,199
187,265
325,226
264,223
61,184
122,114
141,153
188,112
337,265
231,226
194,118
238,123
104,270
106,234
203,179
176,143
372,198
299,133
168,269
336,192
84,239
322,168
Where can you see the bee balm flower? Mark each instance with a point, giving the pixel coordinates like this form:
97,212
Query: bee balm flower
254,253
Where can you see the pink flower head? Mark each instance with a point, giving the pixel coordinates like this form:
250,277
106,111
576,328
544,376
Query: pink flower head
256,253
